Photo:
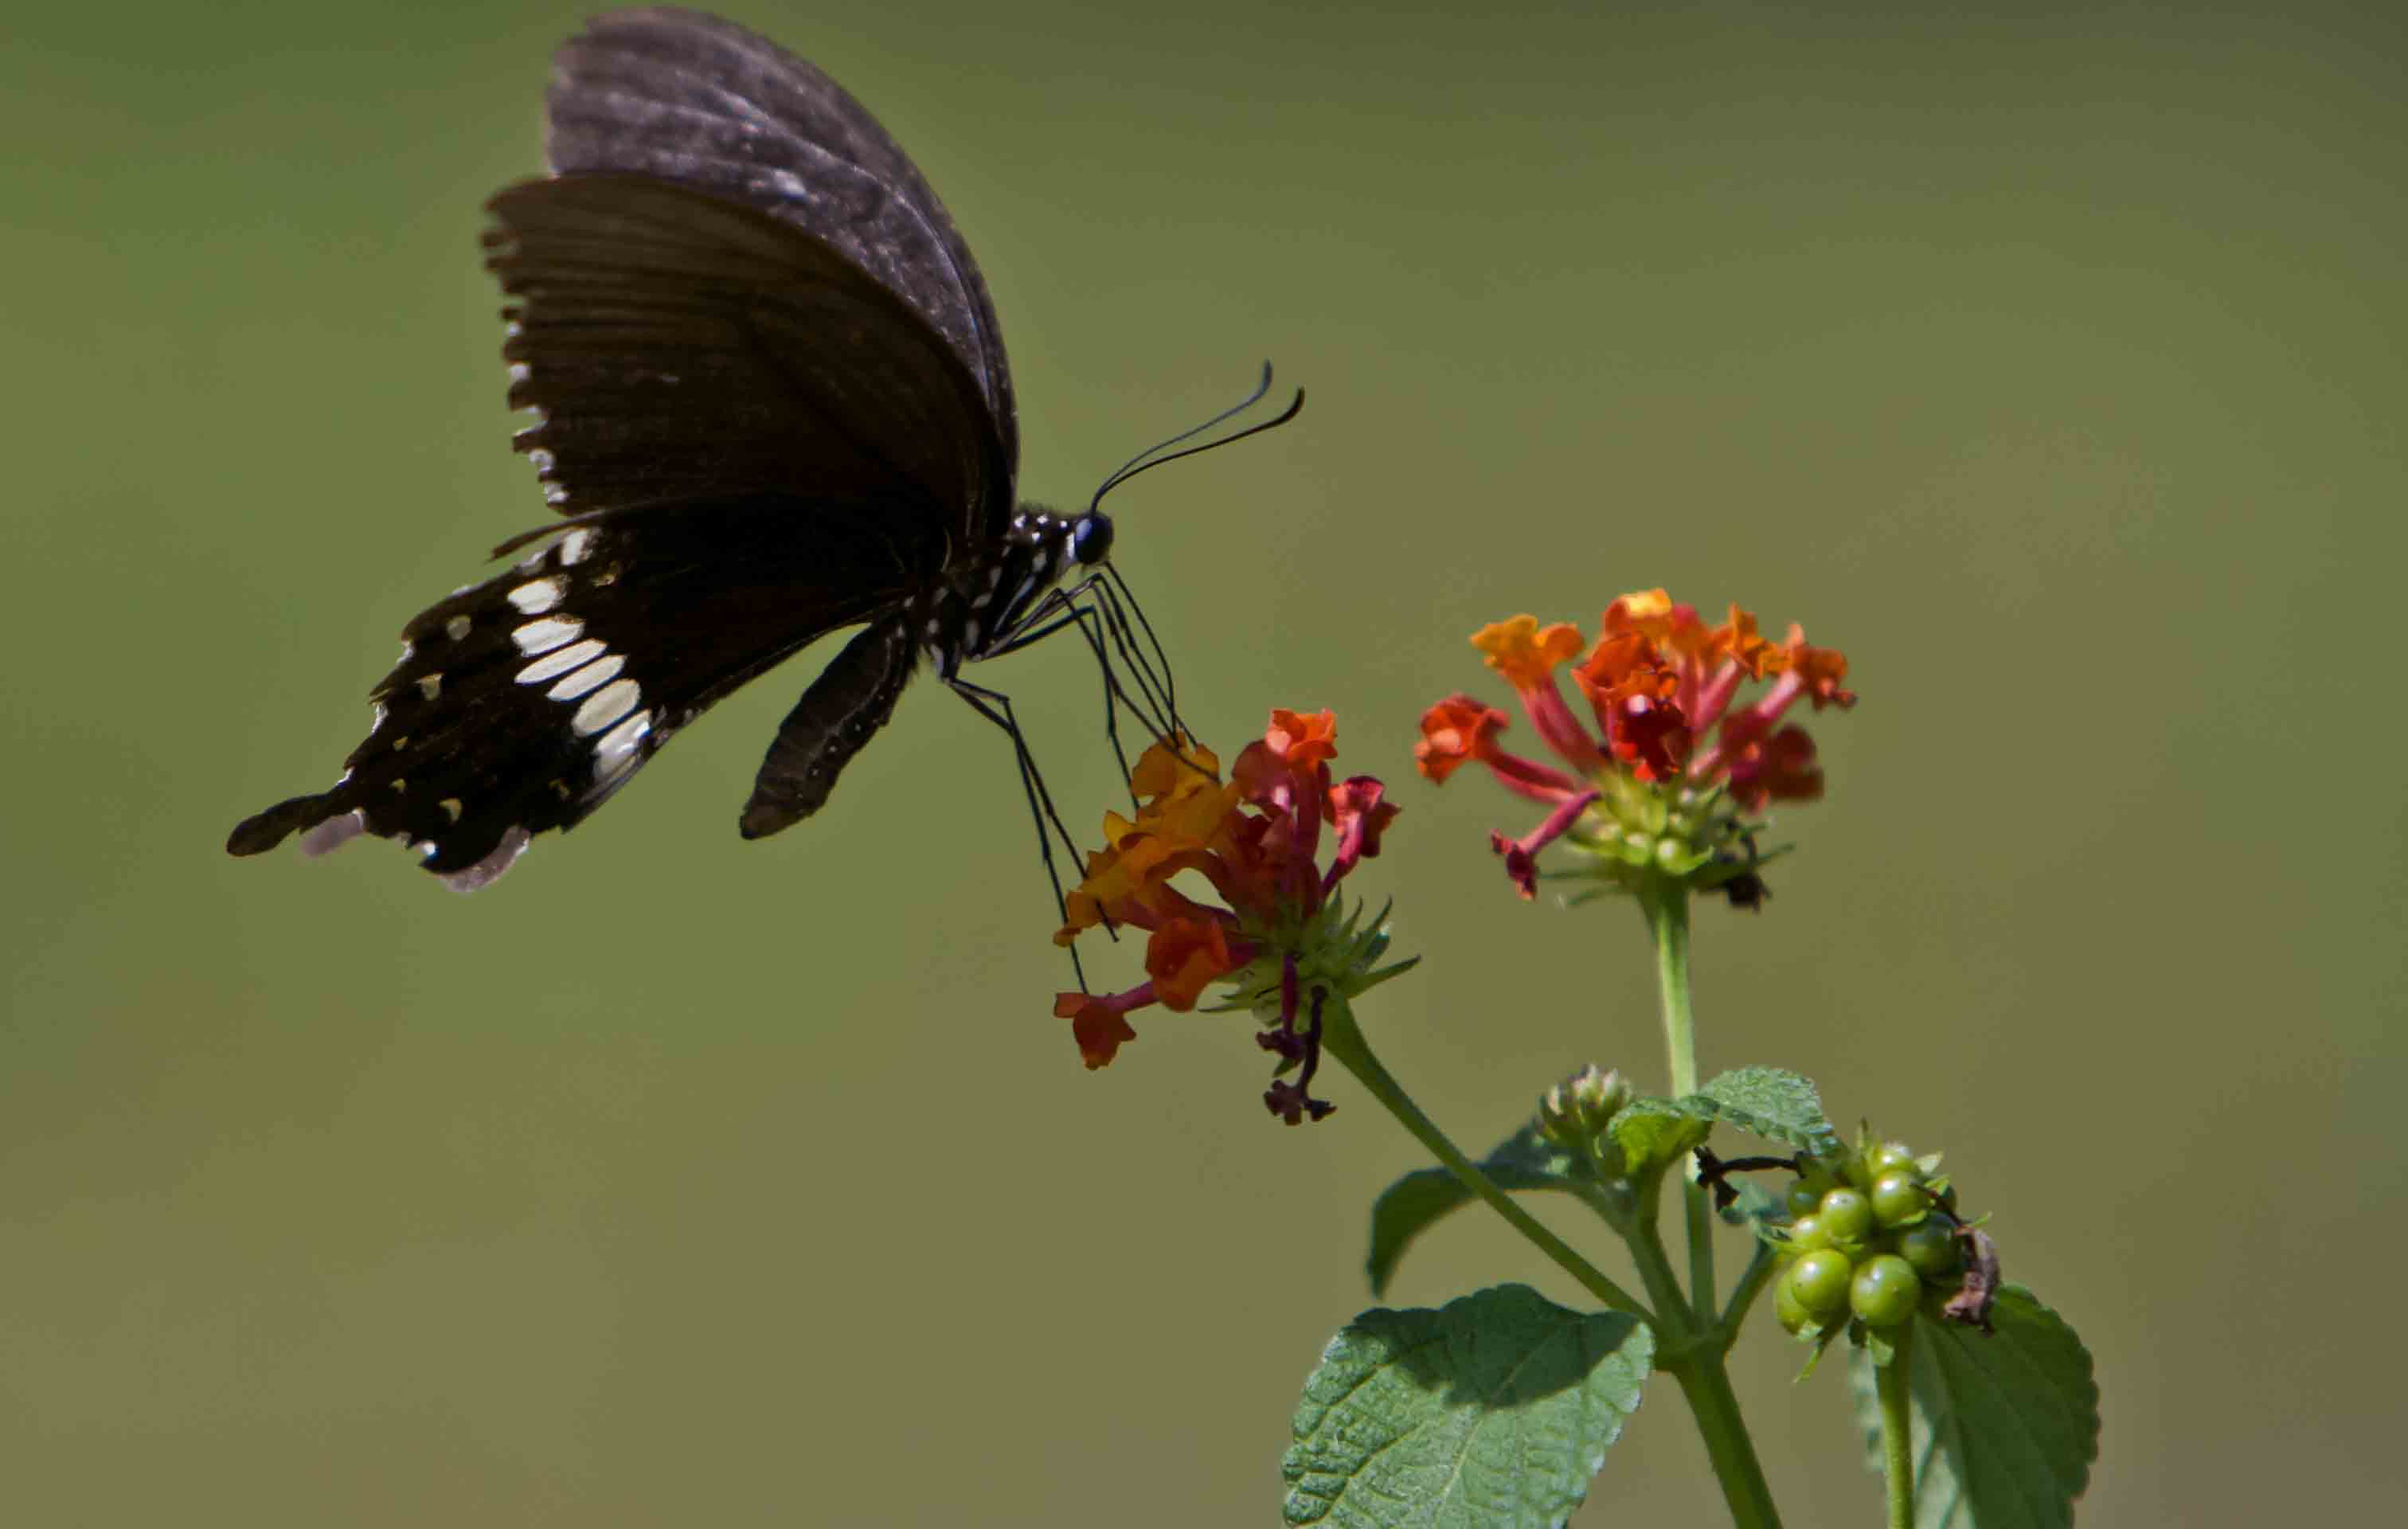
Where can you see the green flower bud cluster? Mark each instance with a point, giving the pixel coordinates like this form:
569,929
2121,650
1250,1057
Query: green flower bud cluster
1871,1233
1575,1112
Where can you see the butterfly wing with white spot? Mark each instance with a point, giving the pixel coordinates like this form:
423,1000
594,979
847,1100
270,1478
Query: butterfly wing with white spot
521,704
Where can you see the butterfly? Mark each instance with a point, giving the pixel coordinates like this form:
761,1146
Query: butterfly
771,402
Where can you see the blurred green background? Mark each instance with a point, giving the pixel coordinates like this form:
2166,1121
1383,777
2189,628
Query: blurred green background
2050,365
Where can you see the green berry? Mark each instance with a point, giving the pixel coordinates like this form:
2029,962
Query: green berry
1885,1290
1931,1247
1804,1198
1794,1317
1818,1283
1847,1216
1806,1234
1889,1157
1899,1199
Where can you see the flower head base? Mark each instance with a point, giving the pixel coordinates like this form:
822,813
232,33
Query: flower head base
1279,938
1670,782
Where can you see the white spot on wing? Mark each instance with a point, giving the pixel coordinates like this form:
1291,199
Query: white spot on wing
544,635
334,833
539,596
552,665
606,705
575,548
585,680
456,628
485,872
616,750
430,686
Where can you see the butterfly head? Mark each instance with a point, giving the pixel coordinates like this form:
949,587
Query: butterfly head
1090,539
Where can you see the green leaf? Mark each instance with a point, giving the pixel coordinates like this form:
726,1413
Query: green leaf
2006,1426
1776,1104
1408,1208
1497,1410
1654,1134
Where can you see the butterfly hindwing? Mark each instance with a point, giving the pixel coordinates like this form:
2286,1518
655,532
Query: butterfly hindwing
521,704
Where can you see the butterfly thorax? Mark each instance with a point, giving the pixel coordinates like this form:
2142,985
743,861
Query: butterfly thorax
984,604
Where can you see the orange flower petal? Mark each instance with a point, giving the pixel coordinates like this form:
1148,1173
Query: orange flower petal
1304,739
1165,768
1454,732
1818,670
1625,665
1182,956
1525,652
1099,1026
1647,612
1739,640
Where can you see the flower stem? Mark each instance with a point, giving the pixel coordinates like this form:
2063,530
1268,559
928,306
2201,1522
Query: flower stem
1897,1444
1707,1387
1342,1038
1752,1281
1666,905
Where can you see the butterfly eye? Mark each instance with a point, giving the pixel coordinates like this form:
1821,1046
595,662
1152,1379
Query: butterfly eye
1090,539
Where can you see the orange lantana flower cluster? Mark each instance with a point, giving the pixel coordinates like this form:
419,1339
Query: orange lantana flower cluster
1255,840
1662,783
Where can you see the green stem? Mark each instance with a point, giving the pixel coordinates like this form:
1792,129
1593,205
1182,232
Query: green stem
1668,919
1708,1389
1667,903
1752,1281
1342,1038
1676,1320
1897,1444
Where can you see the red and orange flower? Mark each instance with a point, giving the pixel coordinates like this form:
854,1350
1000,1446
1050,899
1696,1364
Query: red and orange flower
1283,941
1676,769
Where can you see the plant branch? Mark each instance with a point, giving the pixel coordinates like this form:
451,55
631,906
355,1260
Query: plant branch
1666,903
1342,1038
1898,1445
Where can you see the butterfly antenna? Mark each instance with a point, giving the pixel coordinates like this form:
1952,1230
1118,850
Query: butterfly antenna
1154,456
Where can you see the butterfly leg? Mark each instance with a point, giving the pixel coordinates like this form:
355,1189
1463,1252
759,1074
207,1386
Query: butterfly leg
1103,620
995,708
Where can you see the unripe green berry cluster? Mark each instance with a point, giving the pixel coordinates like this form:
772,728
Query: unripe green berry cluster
1870,1234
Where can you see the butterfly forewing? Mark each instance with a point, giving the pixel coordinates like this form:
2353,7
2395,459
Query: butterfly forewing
676,345
697,100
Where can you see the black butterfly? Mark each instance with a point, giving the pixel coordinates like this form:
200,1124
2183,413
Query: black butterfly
772,402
